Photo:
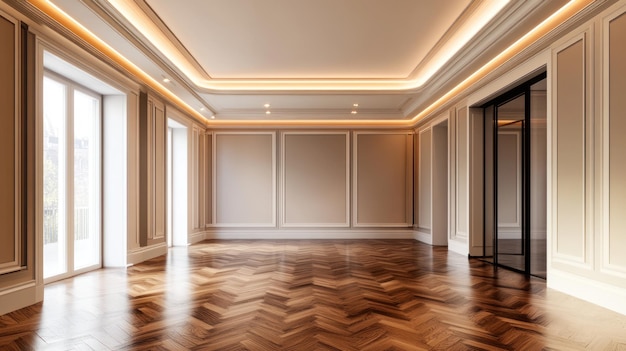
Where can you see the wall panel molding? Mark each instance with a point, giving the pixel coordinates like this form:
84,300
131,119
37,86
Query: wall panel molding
244,179
315,187
11,236
382,179
571,243
613,240
425,181
463,173
208,179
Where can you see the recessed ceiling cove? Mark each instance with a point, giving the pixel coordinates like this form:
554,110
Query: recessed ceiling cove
327,39
309,44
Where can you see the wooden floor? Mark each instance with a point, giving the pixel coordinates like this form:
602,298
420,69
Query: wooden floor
309,295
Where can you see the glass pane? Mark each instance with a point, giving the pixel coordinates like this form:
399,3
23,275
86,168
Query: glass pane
538,176
54,178
489,186
86,181
509,181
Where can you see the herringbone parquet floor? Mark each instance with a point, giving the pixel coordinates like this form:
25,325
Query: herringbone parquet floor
309,295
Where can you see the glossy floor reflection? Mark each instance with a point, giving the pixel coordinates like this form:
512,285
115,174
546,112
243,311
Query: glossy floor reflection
309,295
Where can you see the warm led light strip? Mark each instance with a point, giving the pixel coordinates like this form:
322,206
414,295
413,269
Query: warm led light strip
549,24
334,123
478,19
68,22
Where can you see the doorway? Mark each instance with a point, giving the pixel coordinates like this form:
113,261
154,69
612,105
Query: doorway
515,178
177,180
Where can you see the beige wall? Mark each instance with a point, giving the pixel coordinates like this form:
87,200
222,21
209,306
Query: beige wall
424,191
614,239
383,172
586,250
152,170
245,179
432,181
316,178
9,201
19,282
570,122
327,179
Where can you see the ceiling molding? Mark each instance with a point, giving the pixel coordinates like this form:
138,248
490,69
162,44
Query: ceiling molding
156,33
476,63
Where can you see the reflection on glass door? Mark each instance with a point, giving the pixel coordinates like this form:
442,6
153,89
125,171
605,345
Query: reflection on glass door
515,179
71,172
511,236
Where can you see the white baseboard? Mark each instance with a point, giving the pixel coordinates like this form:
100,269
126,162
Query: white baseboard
309,234
608,296
459,247
20,296
425,238
145,253
196,237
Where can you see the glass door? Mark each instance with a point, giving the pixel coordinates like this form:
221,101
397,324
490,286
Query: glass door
71,173
515,179
54,178
510,244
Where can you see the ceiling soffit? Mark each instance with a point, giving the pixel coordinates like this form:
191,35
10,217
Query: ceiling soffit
486,52
297,45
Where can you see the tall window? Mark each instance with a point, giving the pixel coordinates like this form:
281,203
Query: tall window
71,171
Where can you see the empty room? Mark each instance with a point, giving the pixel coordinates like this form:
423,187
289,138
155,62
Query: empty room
312,175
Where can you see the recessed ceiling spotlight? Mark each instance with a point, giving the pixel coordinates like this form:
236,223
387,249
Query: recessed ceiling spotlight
166,80
268,112
354,112
202,109
266,105
355,105
213,117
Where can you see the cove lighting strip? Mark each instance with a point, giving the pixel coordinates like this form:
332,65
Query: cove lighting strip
552,22
50,9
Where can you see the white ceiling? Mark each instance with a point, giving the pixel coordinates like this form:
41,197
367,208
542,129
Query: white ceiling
308,59
251,39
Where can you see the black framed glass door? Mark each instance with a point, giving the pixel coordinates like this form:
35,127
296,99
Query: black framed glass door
515,178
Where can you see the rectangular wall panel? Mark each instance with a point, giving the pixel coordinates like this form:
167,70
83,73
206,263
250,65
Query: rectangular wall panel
617,142
424,192
133,183
316,179
383,177
160,137
9,145
197,154
208,180
570,150
245,179
440,183
463,173
509,183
